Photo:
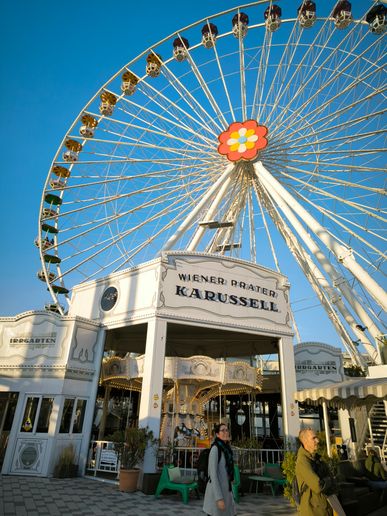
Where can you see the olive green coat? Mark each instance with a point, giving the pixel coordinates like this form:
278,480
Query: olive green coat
313,501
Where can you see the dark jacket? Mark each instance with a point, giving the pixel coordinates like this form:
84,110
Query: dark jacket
314,485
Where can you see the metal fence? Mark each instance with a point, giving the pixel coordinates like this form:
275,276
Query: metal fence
103,458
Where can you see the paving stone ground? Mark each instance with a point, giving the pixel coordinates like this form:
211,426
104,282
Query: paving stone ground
34,496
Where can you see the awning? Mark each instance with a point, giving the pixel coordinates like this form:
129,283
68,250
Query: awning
351,393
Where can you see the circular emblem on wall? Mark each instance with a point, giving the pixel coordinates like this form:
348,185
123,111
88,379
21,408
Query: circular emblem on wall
109,298
28,456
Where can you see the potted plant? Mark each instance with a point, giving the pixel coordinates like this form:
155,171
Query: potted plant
66,465
131,453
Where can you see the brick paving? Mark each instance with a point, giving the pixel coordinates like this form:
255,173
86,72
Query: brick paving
35,496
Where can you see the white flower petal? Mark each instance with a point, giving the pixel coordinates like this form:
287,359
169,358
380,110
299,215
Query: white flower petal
231,141
242,131
252,138
242,148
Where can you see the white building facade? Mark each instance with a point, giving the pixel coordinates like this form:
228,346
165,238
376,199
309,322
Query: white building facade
181,304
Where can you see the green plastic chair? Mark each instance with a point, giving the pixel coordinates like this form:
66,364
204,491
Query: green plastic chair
275,472
177,484
236,483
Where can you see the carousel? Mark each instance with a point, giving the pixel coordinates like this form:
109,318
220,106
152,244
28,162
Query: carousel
197,392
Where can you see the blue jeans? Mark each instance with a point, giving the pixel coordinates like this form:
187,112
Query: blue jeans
377,484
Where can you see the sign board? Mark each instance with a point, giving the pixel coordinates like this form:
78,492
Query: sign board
317,364
221,290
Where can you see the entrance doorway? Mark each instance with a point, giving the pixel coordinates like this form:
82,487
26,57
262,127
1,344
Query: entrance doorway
8,402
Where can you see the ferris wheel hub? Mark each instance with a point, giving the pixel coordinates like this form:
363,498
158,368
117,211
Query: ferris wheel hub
243,140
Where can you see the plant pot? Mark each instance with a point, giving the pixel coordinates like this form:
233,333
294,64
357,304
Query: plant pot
150,482
128,480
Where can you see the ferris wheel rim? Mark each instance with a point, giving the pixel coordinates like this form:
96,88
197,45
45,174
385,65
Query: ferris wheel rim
200,183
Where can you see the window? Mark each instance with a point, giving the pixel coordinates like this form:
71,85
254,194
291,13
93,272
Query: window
79,416
72,416
66,416
37,414
44,415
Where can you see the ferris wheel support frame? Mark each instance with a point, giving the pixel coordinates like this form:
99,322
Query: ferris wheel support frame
321,280
209,215
225,235
337,280
343,255
204,201
309,269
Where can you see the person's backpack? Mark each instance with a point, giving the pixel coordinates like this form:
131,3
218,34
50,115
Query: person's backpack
296,492
202,467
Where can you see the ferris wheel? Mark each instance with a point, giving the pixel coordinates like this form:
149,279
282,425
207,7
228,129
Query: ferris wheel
256,126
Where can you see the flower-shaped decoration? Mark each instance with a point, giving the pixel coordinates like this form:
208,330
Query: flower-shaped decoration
242,140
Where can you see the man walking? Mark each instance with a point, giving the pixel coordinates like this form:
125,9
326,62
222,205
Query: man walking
314,482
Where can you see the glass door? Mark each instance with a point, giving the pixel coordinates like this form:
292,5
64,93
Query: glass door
8,401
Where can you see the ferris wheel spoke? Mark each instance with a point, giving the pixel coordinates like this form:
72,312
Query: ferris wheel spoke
318,115
367,210
107,221
316,70
126,178
328,180
347,139
310,115
113,240
348,152
279,81
345,105
179,116
125,196
124,260
251,222
138,112
210,124
203,146
134,144
224,84
336,129
319,126
305,64
261,76
341,166
242,78
149,240
206,90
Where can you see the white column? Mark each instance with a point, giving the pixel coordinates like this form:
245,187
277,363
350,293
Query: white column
90,406
152,385
290,418
326,426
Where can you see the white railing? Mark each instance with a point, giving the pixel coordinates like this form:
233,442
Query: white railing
248,459
103,458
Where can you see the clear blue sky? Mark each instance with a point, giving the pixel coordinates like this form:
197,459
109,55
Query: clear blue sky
54,57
